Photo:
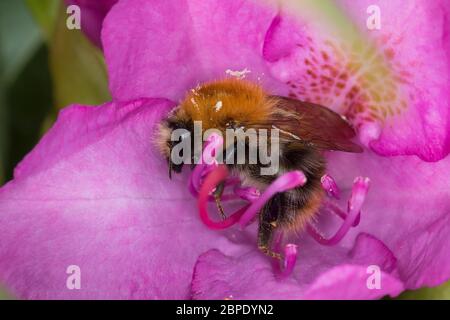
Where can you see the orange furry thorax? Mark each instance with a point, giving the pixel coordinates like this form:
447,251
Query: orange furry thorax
224,103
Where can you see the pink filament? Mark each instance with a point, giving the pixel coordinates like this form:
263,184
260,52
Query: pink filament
220,173
286,182
341,214
289,260
207,163
212,173
195,179
359,191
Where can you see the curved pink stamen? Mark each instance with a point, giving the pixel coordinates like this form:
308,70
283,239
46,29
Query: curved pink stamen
286,182
359,191
195,179
331,207
220,173
330,186
206,164
213,143
289,257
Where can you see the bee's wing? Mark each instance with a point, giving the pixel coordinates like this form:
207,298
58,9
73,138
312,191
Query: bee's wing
314,124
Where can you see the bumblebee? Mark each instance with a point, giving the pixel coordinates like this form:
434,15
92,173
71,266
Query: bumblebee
306,131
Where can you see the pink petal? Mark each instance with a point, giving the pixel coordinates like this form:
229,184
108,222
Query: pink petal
321,273
417,49
350,282
393,84
396,95
95,193
406,213
168,47
408,208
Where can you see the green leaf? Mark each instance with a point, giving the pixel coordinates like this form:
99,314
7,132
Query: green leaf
4,295
3,140
19,41
437,293
29,100
45,13
77,66
16,23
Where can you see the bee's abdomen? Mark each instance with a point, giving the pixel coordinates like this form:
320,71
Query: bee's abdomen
301,205
292,209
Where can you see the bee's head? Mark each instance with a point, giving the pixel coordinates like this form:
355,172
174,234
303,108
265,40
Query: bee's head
218,105
168,137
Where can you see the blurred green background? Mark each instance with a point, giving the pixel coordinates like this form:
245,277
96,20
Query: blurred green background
45,67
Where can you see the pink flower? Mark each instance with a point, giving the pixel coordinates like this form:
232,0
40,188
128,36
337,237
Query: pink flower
95,192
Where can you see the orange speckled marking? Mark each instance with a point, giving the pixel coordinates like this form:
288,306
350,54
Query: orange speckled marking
365,80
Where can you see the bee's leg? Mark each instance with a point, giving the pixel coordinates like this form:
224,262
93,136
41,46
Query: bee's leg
217,195
267,225
265,235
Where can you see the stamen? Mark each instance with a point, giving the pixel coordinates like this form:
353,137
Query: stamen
331,207
220,173
213,144
359,191
286,182
330,186
208,174
289,260
195,179
207,163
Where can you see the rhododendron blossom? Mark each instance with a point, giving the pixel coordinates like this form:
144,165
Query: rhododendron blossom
95,192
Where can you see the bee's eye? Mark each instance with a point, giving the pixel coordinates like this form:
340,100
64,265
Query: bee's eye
176,138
